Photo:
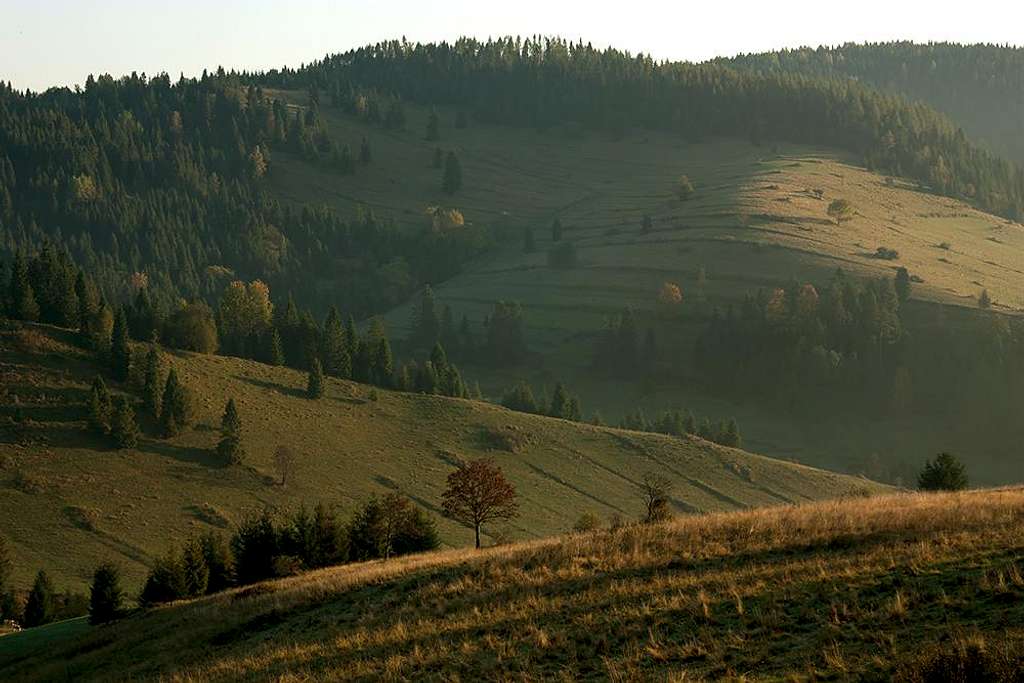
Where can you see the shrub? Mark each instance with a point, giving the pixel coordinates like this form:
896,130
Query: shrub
587,522
887,254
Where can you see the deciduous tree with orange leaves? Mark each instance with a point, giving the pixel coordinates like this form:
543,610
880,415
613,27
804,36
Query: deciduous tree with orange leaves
477,493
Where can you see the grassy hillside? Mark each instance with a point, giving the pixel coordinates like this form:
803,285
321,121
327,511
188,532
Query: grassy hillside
758,220
65,489
836,590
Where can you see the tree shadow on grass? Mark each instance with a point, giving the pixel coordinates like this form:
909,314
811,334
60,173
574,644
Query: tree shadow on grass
272,386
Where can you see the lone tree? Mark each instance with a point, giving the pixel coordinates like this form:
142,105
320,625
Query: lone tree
285,461
315,382
230,445
100,406
656,490
433,126
945,473
684,188
452,182
105,594
840,210
478,493
902,284
175,406
984,300
41,602
123,427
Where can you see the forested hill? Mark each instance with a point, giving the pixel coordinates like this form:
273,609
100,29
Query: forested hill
167,179
552,82
142,176
981,87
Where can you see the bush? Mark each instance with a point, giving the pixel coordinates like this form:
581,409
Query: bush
962,660
165,582
587,522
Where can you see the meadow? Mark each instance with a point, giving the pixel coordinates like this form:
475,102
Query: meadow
883,588
70,501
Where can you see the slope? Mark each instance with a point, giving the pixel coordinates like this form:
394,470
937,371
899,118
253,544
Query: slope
836,590
69,502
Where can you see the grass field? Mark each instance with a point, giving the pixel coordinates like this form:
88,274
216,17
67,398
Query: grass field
823,591
65,489
758,220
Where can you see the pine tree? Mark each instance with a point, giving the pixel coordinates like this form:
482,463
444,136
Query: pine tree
105,594
529,245
365,156
229,448
100,407
274,354
559,402
984,300
315,382
426,378
194,569
336,359
945,473
123,427
41,604
426,325
152,382
556,230
902,284
452,182
175,406
383,363
730,434
433,126
120,351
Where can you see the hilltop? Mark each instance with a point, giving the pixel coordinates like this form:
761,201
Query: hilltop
897,587
65,489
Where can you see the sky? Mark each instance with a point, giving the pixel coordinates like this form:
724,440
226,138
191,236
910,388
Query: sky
60,42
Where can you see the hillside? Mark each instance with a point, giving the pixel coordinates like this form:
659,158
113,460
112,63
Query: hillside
887,588
978,86
63,487
758,220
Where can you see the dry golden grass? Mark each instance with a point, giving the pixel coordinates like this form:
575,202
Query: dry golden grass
834,589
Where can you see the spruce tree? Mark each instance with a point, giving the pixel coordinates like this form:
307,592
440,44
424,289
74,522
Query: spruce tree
426,325
105,594
194,569
556,230
41,604
433,126
152,382
120,351
175,406
529,245
365,156
945,473
902,284
452,182
383,363
559,402
229,448
336,359
123,427
100,407
315,382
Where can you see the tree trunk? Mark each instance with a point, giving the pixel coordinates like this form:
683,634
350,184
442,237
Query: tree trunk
476,528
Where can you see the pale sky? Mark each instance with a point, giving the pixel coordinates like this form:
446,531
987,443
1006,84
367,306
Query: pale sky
60,42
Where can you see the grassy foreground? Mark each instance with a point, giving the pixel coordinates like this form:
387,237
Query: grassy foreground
833,590
68,501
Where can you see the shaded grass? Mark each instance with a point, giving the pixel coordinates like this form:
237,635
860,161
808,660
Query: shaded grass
824,590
